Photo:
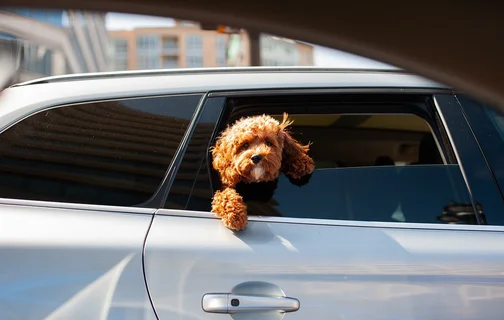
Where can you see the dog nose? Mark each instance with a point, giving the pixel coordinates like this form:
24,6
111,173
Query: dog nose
256,158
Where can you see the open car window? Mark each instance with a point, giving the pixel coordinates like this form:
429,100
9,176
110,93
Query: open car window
373,162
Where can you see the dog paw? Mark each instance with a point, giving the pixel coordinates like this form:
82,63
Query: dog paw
229,206
235,221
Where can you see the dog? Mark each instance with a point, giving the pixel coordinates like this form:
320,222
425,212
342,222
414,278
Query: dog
249,157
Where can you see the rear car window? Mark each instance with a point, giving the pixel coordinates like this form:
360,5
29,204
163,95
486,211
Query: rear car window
105,153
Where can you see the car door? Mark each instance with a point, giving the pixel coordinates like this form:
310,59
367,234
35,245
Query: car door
394,223
75,185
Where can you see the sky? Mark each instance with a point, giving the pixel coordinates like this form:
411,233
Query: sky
323,57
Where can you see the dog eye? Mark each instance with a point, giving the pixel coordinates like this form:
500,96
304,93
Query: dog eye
245,145
269,144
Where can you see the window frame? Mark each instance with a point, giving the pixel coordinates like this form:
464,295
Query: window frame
154,202
446,119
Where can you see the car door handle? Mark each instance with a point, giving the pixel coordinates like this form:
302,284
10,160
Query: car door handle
236,303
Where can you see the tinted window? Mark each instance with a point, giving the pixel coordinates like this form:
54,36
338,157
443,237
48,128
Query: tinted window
418,193
191,188
372,167
108,153
488,125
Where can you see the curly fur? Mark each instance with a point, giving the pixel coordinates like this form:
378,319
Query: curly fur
233,152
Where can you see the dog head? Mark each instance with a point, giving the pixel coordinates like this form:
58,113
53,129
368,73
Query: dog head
257,149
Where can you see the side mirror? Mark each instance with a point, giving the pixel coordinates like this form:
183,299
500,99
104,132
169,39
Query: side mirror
10,61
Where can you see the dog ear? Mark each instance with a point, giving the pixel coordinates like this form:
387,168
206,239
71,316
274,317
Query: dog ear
222,162
296,163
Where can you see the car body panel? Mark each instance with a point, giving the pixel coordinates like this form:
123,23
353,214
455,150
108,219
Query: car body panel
70,263
347,270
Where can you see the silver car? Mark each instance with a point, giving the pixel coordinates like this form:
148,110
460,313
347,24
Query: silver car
106,185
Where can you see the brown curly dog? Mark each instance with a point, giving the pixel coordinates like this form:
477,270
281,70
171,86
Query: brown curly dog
254,150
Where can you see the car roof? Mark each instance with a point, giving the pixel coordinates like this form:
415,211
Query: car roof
32,96
344,74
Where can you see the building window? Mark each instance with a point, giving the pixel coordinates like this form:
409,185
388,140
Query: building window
194,51
121,47
194,42
170,63
169,43
170,47
147,42
147,62
148,52
221,61
221,51
194,62
120,54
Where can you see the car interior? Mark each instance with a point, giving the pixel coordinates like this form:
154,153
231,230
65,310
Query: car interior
358,130
355,140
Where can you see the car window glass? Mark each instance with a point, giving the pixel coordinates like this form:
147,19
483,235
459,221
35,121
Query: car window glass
107,153
497,120
191,187
487,124
417,193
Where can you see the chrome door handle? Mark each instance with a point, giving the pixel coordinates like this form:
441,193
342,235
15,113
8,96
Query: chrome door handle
236,303
254,298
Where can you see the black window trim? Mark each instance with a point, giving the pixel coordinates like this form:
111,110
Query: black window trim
140,209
